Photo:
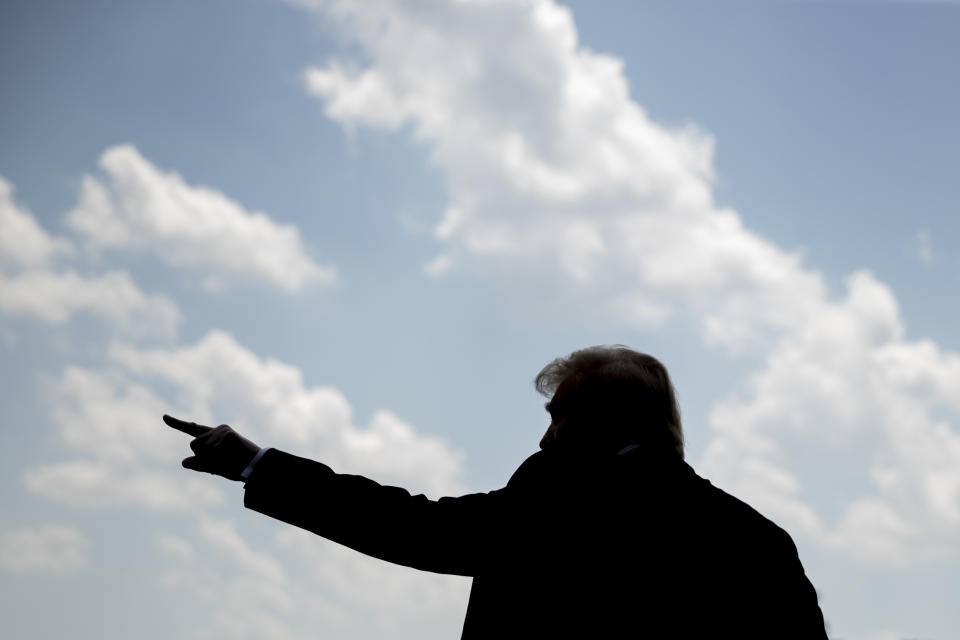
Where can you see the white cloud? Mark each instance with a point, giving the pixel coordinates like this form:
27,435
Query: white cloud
269,400
302,586
55,298
121,454
847,400
23,242
49,548
561,184
128,456
139,206
31,286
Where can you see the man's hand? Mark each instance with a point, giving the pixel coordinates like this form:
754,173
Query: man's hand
218,450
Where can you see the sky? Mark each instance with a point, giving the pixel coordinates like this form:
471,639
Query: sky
356,230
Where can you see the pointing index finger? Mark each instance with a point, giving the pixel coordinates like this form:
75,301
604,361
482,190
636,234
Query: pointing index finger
189,428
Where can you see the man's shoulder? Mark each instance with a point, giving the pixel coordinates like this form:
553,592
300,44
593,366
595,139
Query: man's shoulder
632,476
692,498
532,470
731,513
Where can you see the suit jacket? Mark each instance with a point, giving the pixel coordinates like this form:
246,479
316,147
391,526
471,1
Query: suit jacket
573,546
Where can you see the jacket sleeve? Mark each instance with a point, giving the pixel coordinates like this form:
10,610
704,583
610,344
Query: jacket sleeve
449,535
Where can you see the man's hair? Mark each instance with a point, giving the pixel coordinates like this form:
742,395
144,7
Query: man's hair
626,393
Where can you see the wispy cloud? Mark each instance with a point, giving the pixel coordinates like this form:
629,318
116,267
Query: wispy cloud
48,548
920,247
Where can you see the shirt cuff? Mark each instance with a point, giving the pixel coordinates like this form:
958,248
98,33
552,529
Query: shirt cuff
253,463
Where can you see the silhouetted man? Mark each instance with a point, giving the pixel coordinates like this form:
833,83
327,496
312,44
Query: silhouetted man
604,533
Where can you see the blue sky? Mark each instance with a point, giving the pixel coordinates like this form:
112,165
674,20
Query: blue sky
356,230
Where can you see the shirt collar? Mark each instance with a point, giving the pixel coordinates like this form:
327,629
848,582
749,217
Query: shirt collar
629,447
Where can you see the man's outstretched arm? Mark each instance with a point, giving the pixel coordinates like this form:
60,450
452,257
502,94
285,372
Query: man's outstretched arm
449,535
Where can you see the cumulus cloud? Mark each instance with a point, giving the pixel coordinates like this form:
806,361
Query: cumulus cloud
125,456
138,206
23,242
111,420
218,379
120,454
32,286
555,174
561,183
848,398
55,298
301,586
49,548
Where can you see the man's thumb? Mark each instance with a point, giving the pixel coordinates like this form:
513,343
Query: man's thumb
193,462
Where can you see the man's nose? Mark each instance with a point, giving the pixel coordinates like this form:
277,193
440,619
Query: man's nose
549,438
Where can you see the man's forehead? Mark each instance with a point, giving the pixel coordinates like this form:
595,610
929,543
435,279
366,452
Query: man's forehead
560,400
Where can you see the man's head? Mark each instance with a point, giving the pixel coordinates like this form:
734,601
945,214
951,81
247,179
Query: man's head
604,398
